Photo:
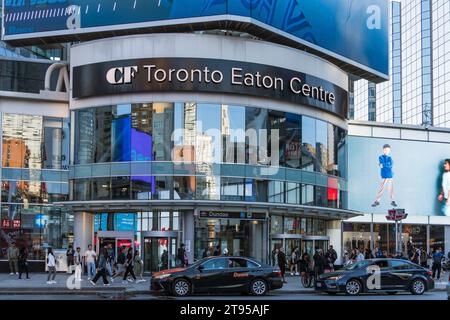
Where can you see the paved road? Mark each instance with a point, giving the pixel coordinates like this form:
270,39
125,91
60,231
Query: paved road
440,295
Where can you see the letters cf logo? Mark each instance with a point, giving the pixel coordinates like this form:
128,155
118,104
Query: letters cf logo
121,75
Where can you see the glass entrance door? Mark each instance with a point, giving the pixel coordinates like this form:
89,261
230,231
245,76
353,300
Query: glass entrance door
308,247
159,253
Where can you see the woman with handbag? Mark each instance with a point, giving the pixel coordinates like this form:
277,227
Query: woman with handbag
23,262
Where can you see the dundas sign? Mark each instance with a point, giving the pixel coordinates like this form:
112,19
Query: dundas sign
207,75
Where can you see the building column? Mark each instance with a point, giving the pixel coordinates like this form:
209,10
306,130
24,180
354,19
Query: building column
188,232
83,230
335,233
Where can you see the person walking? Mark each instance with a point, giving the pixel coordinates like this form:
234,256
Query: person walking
217,251
121,258
13,256
293,262
70,259
89,257
437,263
101,270
181,256
368,254
282,263
319,262
51,265
23,262
138,266
110,261
78,261
332,254
129,266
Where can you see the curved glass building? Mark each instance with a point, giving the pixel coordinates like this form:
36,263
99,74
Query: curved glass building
207,140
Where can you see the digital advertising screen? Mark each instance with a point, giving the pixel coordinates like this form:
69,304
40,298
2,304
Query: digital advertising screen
386,173
331,27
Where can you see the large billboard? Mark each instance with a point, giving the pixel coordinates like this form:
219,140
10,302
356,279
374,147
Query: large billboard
352,32
387,173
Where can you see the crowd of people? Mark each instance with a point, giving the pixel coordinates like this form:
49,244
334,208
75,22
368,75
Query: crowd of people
298,264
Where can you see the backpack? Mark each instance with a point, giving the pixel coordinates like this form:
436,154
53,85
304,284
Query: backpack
437,258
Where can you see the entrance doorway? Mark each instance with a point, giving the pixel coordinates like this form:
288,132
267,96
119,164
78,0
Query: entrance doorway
160,250
117,239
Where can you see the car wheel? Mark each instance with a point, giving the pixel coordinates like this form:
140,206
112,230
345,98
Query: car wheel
417,287
258,287
353,287
181,288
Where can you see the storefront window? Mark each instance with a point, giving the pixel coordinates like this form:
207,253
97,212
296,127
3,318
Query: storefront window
239,237
276,191
293,192
101,189
232,189
276,224
292,225
437,238
356,236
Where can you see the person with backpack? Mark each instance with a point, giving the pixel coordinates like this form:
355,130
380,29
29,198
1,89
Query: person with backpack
51,265
437,263
23,262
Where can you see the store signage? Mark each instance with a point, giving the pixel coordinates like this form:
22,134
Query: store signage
232,215
11,224
207,75
396,215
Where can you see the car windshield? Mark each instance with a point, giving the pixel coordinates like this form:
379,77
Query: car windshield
357,265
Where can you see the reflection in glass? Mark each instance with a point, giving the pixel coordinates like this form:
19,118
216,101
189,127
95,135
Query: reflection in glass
162,131
255,123
184,187
101,189
321,146
308,143
233,134
232,189
120,188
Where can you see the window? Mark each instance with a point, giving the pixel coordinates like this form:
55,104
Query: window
382,264
400,265
213,264
242,263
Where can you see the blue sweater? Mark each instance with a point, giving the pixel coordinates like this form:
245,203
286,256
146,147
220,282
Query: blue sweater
386,170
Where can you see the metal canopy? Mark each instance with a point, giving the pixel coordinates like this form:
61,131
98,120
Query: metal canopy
231,206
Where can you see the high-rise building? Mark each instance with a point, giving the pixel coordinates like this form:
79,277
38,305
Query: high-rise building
419,55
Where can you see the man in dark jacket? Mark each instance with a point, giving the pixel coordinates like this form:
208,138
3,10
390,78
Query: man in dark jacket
332,254
282,262
181,256
319,262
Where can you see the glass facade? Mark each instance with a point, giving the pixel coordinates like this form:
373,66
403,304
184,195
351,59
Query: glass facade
216,152
35,162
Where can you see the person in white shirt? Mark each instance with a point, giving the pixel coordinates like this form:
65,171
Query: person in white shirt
359,256
78,260
89,257
444,195
51,265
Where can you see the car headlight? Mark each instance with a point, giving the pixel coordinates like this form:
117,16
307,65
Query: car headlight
335,278
163,276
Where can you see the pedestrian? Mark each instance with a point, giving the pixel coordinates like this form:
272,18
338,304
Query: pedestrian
206,253
23,262
423,259
293,262
368,254
437,263
78,261
101,270
13,256
110,261
304,264
416,256
51,265
359,256
138,266
121,258
89,258
129,266
70,259
319,262
282,263
275,256
217,251
333,254
181,256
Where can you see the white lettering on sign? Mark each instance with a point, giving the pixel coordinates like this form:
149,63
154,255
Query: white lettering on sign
121,75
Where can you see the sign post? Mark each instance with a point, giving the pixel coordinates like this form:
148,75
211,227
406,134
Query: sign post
397,215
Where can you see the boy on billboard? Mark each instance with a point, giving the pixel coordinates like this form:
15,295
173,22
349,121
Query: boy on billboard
444,195
387,176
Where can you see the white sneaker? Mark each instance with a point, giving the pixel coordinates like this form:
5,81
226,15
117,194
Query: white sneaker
49,282
17,273
106,284
112,280
124,282
92,282
297,274
11,273
130,280
54,282
292,273
89,279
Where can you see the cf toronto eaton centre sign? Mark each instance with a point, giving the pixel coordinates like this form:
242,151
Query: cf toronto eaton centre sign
207,75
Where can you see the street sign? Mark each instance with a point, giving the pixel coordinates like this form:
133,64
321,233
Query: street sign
396,215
